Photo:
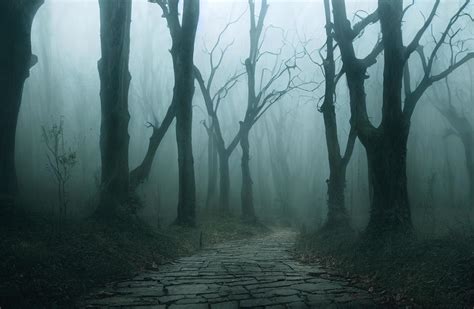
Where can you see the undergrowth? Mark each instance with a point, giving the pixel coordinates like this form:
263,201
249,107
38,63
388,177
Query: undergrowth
421,273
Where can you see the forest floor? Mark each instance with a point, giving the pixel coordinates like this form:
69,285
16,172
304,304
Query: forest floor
419,273
46,264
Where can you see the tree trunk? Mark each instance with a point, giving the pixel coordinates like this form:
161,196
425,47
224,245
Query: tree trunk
16,59
390,207
224,181
141,172
183,51
337,214
115,18
187,185
211,170
248,211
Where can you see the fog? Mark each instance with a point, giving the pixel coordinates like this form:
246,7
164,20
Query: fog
65,84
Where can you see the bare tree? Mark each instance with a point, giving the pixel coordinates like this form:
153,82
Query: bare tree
115,19
262,94
337,215
183,35
61,161
213,100
461,128
16,59
386,145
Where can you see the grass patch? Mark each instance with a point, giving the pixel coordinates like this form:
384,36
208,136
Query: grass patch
43,264
427,273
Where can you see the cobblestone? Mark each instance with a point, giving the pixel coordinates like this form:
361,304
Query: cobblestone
256,273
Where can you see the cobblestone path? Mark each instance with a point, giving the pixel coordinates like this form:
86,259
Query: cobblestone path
255,273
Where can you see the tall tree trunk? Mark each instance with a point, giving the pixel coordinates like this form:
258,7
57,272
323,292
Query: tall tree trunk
224,181
16,59
390,207
187,184
211,169
386,146
183,51
115,18
387,149
248,211
337,215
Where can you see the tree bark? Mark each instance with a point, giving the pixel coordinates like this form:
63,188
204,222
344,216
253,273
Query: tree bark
183,52
390,209
387,150
337,214
16,59
115,18
248,210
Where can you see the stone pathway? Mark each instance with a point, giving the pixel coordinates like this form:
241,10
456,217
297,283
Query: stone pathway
256,273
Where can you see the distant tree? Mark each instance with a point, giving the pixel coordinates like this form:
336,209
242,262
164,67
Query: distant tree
213,99
115,19
262,94
16,59
277,135
386,145
461,128
266,199
183,35
212,166
61,161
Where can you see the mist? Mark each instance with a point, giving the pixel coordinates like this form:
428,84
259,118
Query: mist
65,84
288,115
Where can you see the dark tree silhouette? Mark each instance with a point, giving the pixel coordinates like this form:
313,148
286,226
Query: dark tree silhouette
386,145
183,35
337,215
16,59
115,19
